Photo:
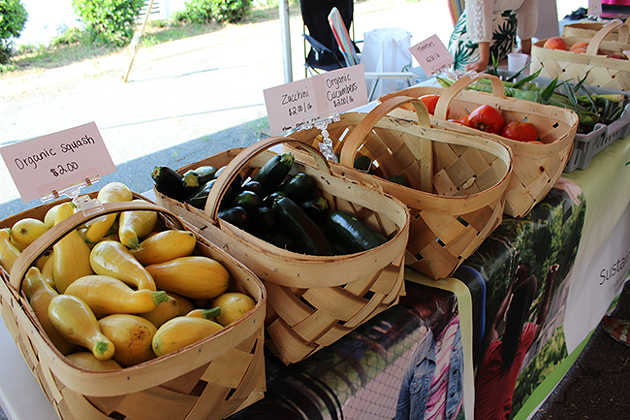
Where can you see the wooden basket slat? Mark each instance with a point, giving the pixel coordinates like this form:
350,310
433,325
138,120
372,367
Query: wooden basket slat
300,304
141,390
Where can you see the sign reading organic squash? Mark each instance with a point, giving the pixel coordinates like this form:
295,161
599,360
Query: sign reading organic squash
44,166
307,101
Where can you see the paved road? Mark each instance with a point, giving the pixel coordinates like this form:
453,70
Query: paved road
184,100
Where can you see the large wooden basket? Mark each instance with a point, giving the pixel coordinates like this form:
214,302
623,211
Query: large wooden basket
208,380
589,30
537,167
457,182
599,70
313,300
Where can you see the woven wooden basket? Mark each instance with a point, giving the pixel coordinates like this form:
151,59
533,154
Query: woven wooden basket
589,29
457,182
313,300
599,70
537,167
208,380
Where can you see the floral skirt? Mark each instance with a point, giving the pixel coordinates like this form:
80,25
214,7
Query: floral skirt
464,51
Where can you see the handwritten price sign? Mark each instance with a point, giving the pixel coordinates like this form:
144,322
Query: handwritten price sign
296,104
44,165
432,55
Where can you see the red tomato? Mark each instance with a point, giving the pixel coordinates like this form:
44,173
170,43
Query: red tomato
430,101
486,118
520,130
464,120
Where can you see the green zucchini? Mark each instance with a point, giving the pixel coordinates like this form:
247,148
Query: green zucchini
308,237
198,198
254,186
169,182
351,232
268,201
273,172
235,215
195,178
248,200
315,207
298,187
363,163
262,221
399,179
236,183
281,240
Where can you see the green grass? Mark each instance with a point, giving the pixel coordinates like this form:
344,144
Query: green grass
75,46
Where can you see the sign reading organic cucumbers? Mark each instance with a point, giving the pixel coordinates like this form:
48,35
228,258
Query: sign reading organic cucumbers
44,166
304,102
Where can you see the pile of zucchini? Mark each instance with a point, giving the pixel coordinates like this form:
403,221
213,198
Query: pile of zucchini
286,210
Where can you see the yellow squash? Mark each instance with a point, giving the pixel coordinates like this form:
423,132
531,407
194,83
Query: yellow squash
194,277
210,314
111,258
25,231
51,215
8,252
165,246
39,294
184,304
47,272
107,295
132,336
134,225
234,306
110,193
75,321
86,360
182,331
43,259
165,311
71,255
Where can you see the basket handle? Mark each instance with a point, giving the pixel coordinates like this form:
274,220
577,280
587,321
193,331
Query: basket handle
52,235
350,146
598,38
235,166
446,97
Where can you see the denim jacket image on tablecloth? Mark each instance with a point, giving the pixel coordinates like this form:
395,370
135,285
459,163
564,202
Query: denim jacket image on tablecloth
414,392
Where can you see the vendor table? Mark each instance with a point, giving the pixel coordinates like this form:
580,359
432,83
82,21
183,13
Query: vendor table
583,226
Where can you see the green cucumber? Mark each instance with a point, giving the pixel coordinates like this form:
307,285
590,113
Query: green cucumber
351,232
307,235
273,172
248,200
195,178
298,187
169,182
235,215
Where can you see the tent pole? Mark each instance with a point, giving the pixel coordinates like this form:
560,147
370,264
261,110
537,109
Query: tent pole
286,40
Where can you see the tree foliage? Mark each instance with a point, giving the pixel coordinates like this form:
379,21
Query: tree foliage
13,17
203,11
109,21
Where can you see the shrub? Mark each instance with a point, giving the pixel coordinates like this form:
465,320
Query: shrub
13,17
203,11
109,21
230,10
195,11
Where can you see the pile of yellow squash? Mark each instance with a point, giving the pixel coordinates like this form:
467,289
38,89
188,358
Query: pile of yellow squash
121,291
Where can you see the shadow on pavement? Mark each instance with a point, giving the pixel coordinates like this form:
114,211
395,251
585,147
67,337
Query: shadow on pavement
136,174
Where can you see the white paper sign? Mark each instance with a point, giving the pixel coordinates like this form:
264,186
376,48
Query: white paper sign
48,164
296,104
432,55
594,8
